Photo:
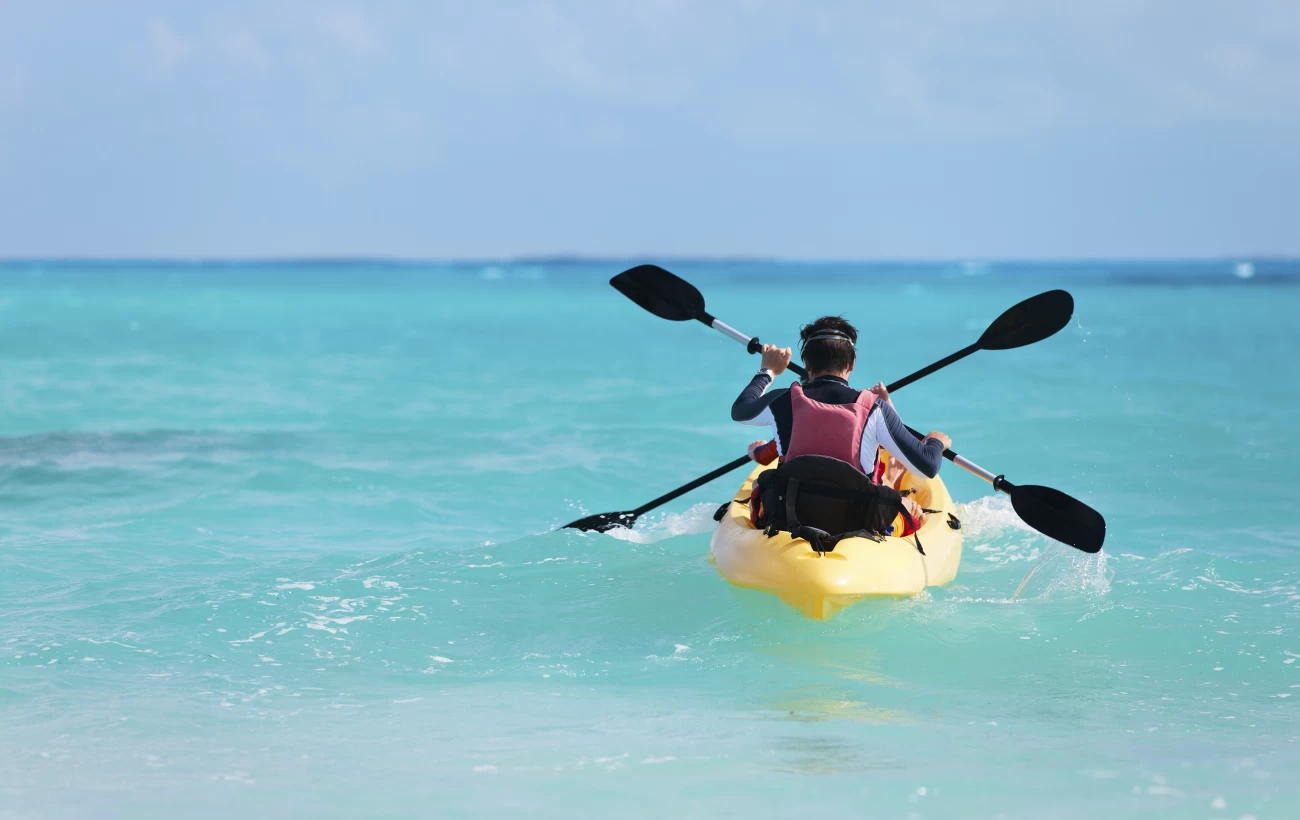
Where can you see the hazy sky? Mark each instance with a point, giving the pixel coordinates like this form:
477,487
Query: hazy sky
961,129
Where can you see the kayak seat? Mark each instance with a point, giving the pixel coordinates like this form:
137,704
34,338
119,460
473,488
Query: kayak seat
824,500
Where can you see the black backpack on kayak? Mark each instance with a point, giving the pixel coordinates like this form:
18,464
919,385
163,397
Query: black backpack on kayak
824,500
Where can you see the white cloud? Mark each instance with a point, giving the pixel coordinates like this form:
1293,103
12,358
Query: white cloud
625,52
169,47
245,50
351,29
1234,61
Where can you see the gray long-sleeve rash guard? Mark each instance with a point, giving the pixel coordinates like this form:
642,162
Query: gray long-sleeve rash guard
884,428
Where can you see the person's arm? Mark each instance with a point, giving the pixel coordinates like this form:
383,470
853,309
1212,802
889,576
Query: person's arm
750,407
753,407
754,399
921,457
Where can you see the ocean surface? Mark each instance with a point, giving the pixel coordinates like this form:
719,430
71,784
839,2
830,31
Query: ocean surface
280,540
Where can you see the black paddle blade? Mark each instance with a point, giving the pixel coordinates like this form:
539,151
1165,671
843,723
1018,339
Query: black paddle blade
664,294
603,522
1031,321
1059,516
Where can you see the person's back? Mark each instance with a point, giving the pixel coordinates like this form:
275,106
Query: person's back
827,417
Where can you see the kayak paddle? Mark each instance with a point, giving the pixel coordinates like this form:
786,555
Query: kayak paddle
610,520
1053,513
1049,511
671,297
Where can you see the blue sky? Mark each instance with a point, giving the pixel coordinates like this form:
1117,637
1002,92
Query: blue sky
961,129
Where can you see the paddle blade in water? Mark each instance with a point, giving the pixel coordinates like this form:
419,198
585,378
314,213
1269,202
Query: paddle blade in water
1059,516
602,522
660,292
1031,321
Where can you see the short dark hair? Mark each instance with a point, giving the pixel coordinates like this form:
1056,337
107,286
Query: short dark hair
831,355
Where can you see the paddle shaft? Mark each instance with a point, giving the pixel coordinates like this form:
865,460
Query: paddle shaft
728,330
754,346
998,482
686,488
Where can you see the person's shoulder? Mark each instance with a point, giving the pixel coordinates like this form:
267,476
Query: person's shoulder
847,393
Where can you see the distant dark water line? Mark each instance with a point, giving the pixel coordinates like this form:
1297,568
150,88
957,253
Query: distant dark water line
341,272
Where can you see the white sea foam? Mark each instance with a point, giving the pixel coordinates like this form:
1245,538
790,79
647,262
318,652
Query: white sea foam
990,517
1064,570
995,533
698,519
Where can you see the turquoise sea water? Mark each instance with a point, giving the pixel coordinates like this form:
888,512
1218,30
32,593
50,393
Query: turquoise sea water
277,540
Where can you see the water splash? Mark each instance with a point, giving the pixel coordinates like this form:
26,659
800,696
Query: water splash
996,535
698,519
1065,570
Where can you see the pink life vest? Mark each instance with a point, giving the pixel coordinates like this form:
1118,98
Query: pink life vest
833,430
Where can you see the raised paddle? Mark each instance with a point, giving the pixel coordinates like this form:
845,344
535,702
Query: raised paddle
671,297
1049,511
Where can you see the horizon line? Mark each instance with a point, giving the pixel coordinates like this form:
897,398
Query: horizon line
582,259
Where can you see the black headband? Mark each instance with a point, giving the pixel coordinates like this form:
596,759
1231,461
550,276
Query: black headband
828,335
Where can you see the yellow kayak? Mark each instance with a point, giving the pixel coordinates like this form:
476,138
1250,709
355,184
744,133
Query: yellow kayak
819,585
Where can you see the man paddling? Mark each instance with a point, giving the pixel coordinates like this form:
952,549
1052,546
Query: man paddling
827,417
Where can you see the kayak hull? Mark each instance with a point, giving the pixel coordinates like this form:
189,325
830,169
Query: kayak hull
819,585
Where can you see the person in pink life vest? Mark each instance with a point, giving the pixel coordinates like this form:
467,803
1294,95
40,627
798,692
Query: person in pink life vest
825,416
